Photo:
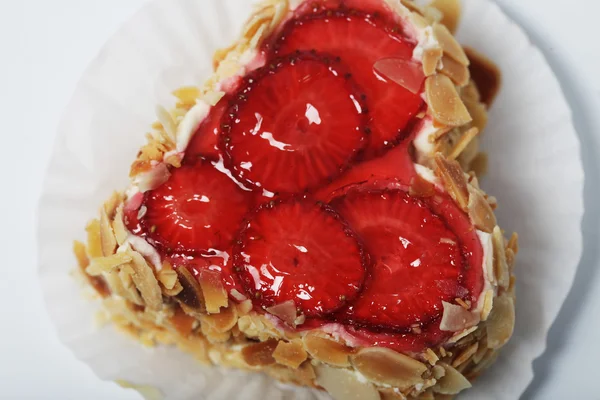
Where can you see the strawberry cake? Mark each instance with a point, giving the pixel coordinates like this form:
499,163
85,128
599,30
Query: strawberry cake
313,211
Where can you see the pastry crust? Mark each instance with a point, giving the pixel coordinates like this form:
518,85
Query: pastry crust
159,305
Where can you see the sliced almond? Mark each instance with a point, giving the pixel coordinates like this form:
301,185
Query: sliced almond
178,288
405,73
290,354
392,394
421,187
118,226
451,47
500,266
412,6
465,355
215,295
191,295
167,275
260,354
98,266
453,382
456,71
94,240
342,384
481,350
445,104
107,236
488,302
501,323
287,312
183,323
98,283
187,94
463,143
454,180
213,335
430,356
462,334
130,291
451,9
146,282
387,367
431,60
244,307
433,15
456,318
480,212
80,254
510,260
513,243
327,350
222,322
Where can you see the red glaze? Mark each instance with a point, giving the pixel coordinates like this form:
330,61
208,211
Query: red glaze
348,262
302,251
418,260
361,40
284,132
198,209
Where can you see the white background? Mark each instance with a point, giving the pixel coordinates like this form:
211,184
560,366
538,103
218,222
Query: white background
45,46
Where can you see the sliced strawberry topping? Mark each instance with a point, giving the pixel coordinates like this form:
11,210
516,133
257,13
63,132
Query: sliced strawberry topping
362,41
204,141
419,260
301,251
196,210
293,125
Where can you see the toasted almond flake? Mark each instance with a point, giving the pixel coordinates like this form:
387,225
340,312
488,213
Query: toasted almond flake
500,266
462,143
451,10
287,312
183,323
438,371
130,291
456,71
152,178
251,325
501,323
244,307
178,288
94,240
167,121
326,350
300,320
80,254
167,275
118,226
191,295
187,94
107,236
451,47
444,102
433,15
454,180
463,303
412,6
145,281
420,187
173,160
462,334
215,295
213,335
221,54
480,212
290,354
442,351
430,356
260,34
488,302
110,206
453,382
431,60
405,73
440,133
465,355
260,354
237,295
222,322
343,384
510,261
115,283
100,265
457,318
481,350
513,243
98,283
387,367
213,97
392,394
418,20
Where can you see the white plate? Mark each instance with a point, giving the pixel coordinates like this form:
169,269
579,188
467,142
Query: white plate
535,172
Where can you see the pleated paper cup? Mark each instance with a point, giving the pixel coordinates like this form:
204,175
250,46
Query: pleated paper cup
535,172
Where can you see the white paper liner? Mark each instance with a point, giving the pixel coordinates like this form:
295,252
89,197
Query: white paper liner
535,172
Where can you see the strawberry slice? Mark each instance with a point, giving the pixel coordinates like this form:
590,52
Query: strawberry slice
302,251
197,210
204,141
362,41
419,259
294,124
